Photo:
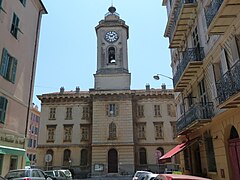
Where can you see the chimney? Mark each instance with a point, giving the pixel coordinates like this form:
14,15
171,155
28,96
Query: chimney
147,86
163,86
77,89
62,90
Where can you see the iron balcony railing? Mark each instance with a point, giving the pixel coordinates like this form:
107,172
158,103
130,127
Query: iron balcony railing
198,111
212,10
229,84
176,13
191,54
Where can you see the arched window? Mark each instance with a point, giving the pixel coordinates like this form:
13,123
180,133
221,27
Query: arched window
142,156
112,131
84,157
233,133
50,151
111,55
66,157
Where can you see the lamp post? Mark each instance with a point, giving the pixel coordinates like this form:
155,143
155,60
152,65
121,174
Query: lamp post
157,76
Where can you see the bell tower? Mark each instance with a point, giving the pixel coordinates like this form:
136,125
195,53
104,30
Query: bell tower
112,58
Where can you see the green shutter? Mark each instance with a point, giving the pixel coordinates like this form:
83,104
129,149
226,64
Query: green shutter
14,70
4,63
3,107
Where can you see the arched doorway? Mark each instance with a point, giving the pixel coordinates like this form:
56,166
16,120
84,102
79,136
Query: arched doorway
234,153
112,161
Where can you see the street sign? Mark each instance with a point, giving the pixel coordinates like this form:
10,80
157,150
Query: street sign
48,158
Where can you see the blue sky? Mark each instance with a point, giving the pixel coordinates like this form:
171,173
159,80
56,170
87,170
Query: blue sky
67,48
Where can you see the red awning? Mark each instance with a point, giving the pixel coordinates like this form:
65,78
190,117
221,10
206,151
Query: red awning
174,151
177,149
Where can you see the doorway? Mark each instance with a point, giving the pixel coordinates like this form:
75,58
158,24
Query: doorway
234,153
112,161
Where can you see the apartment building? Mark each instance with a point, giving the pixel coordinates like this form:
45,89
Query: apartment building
110,128
204,41
19,34
33,132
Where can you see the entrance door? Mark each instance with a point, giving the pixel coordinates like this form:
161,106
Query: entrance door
112,161
234,153
197,160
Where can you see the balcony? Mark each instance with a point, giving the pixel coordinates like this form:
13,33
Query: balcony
228,88
220,14
188,68
197,116
180,21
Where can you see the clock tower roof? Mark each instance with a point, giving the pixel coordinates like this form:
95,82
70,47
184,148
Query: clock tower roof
112,19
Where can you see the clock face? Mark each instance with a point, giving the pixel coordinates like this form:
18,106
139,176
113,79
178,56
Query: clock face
111,36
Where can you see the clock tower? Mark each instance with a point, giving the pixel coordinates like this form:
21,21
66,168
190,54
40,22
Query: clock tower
112,58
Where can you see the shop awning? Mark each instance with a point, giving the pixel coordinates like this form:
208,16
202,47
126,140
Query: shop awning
177,149
12,150
174,151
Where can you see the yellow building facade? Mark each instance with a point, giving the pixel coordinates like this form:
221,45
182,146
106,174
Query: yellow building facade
204,41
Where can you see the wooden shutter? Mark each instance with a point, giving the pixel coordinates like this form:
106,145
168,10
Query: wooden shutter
212,82
223,59
4,63
14,70
3,108
234,49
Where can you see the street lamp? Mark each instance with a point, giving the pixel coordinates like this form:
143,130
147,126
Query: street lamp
157,76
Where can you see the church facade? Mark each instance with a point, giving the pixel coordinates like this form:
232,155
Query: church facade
110,128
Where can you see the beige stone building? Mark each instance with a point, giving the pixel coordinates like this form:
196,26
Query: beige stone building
19,33
204,39
110,128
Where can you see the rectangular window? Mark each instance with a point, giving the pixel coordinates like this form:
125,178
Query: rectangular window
51,133
52,114
67,133
85,133
8,66
3,108
30,143
174,131
158,130
85,113
68,113
140,111
23,2
35,143
15,25
171,110
112,110
157,111
141,131
36,130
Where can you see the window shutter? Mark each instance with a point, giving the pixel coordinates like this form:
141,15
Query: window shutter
107,110
116,106
3,107
4,63
14,70
234,49
223,61
212,82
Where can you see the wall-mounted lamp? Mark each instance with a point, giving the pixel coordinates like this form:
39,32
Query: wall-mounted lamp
157,76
